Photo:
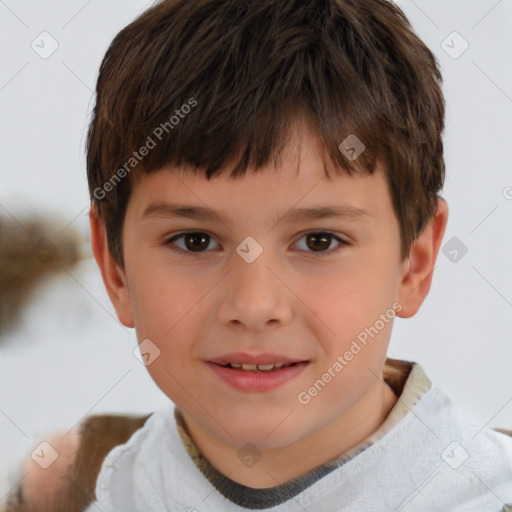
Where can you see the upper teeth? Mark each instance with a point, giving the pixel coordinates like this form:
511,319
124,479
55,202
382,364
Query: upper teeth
262,367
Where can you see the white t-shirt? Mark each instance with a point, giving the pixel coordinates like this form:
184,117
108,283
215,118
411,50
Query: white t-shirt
425,457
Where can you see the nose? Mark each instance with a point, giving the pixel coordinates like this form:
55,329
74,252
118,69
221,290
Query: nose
255,296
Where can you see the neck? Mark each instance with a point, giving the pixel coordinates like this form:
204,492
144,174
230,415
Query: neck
282,464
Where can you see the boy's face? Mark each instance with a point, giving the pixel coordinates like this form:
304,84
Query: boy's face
298,298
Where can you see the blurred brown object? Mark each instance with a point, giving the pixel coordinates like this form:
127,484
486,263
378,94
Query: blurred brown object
31,250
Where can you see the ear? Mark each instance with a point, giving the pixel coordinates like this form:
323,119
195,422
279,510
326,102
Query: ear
113,276
419,267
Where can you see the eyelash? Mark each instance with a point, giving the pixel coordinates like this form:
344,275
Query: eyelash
343,243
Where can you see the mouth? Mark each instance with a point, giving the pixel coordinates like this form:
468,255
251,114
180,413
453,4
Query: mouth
264,361
259,368
257,378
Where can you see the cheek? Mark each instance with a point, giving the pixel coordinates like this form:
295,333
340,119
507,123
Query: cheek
348,304
167,302
345,296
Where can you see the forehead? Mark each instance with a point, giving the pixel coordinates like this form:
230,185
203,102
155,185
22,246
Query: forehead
264,197
300,182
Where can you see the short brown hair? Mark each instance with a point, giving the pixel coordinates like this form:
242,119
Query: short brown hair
247,70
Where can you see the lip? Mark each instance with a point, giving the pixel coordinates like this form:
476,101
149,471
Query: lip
257,382
245,358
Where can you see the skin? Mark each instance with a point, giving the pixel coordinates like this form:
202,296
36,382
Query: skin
293,300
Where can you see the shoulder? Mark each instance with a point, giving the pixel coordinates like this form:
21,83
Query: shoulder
68,483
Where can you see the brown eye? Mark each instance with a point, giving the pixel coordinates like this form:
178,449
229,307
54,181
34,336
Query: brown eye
194,241
320,242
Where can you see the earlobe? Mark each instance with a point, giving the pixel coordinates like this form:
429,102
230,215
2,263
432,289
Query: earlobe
418,269
114,277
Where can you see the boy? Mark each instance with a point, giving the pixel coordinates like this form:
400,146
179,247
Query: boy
265,178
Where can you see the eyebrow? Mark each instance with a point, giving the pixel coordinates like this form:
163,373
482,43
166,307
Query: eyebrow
295,215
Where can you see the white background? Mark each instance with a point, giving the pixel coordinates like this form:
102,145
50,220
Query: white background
71,357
